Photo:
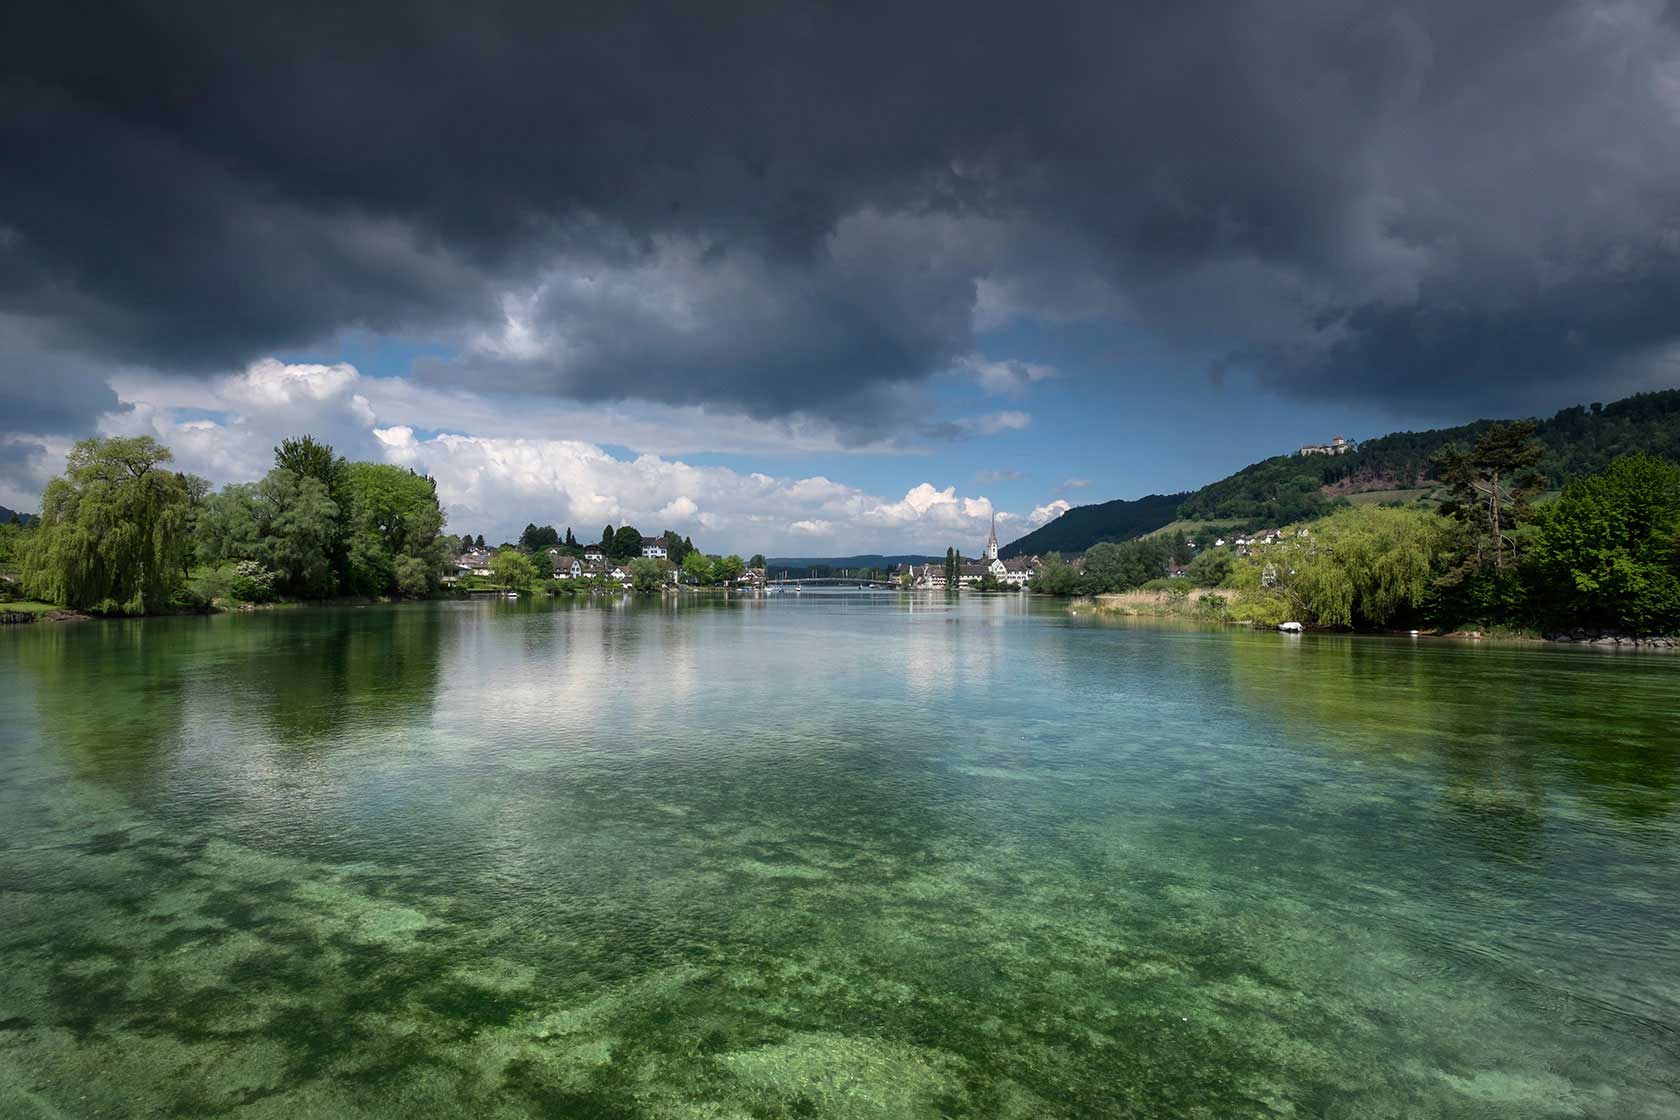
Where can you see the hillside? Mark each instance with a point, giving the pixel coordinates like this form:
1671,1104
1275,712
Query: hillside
1083,526
6,516
1284,488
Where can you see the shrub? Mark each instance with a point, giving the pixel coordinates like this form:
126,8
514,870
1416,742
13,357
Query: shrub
236,581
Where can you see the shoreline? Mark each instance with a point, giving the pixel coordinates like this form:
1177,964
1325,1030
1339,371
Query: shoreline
1159,607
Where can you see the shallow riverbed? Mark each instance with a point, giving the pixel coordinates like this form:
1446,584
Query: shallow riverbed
829,855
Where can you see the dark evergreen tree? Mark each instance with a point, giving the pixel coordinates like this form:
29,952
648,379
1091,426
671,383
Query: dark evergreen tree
1492,485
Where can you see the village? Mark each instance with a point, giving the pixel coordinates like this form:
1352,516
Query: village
600,567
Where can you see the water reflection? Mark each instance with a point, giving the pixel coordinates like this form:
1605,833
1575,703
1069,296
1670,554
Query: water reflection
755,851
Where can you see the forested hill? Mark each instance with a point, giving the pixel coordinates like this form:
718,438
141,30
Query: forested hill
1083,526
1578,441
1285,488
6,516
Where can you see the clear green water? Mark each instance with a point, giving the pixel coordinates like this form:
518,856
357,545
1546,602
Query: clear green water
829,856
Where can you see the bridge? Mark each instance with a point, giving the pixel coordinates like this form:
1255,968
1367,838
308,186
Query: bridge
832,581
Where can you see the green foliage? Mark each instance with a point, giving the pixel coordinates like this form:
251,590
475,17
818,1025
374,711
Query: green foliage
757,561
1055,577
1211,567
414,576
647,576
1492,485
1362,566
539,538
112,531
697,568
307,457
1211,606
1607,553
512,568
12,537
728,569
1181,551
626,543
1281,489
286,523
234,581
1123,566
393,513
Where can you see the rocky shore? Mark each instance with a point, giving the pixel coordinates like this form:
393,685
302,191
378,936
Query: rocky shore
1609,638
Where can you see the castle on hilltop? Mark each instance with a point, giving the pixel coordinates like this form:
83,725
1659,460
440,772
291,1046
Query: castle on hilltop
1337,446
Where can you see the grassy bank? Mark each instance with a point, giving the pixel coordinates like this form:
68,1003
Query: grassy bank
1202,604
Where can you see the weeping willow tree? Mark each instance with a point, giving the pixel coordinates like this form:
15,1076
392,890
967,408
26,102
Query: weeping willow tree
1362,566
112,529
1367,566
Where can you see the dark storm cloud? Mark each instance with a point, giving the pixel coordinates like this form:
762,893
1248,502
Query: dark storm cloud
797,208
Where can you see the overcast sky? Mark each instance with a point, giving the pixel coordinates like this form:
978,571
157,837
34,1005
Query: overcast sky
818,280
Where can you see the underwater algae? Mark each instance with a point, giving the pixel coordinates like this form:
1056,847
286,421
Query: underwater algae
823,904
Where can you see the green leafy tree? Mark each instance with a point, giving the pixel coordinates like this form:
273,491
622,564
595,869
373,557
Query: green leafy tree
647,575
307,457
626,543
953,570
393,513
1181,551
539,538
512,568
607,540
1364,566
1124,565
697,567
1210,568
757,561
727,569
479,543
1055,577
571,541
198,492
112,529
1607,552
286,523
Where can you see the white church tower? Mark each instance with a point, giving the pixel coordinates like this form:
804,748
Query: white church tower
991,543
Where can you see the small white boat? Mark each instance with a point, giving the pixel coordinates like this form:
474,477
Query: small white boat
513,594
1290,627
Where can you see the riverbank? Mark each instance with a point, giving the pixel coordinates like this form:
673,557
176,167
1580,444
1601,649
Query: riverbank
1226,608
31,610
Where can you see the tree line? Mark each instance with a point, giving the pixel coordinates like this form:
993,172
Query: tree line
121,533
1603,556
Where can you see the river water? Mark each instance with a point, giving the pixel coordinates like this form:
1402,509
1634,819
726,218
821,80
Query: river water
829,855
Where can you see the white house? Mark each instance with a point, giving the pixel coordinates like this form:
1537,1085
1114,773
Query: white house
1337,446
653,550
594,555
568,568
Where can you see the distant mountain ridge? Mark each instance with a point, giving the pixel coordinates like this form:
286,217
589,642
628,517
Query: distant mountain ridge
1083,526
6,515
1578,440
868,560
